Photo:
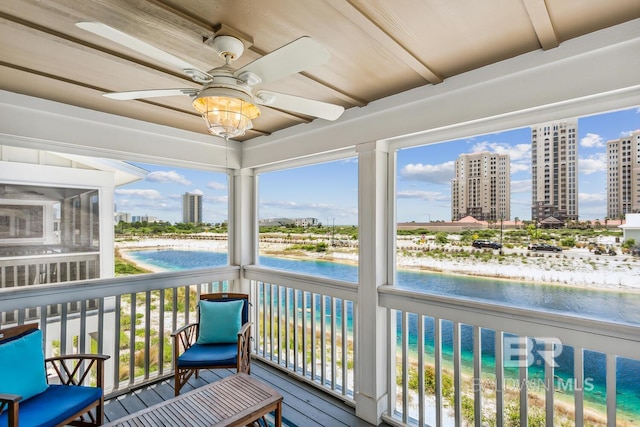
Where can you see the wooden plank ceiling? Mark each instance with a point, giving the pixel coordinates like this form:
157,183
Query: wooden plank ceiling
378,48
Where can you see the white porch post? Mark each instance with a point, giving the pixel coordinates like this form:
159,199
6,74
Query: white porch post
243,233
371,335
107,233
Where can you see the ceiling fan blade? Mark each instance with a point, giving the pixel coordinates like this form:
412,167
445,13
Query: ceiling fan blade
310,107
299,55
144,48
152,93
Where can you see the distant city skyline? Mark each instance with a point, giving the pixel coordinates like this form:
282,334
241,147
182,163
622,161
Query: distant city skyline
328,191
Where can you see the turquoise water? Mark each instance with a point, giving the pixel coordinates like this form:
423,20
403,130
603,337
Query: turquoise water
616,306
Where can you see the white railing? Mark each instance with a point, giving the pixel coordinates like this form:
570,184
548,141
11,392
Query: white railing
305,325
444,373
129,318
48,268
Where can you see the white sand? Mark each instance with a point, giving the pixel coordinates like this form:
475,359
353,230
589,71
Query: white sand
576,267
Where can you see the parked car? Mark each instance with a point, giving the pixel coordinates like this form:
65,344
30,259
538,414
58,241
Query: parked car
635,251
544,247
486,244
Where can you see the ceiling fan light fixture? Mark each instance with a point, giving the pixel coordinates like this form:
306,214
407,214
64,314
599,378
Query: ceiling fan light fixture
227,112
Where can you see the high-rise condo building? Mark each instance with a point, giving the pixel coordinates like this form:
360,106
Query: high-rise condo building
481,187
192,208
623,175
554,171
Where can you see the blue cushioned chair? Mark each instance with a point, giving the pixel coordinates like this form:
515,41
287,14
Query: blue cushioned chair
51,391
219,338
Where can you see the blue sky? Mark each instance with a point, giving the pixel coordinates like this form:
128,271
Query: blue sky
329,191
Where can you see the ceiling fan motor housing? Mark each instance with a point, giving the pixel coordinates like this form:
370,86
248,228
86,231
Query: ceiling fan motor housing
228,47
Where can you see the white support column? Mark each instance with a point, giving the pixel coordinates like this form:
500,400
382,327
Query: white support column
243,227
107,234
371,337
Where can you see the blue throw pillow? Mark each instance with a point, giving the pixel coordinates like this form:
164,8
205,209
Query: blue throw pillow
220,322
22,366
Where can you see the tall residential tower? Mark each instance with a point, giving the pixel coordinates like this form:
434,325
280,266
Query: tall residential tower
192,208
481,187
554,171
623,175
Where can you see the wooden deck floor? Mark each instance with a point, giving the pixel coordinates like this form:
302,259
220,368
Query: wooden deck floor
303,405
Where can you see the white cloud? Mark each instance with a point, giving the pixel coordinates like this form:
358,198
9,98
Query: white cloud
423,195
519,167
624,134
196,191
523,186
593,164
591,198
516,152
436,174
592,140
167,177
139,193
219,199
216,185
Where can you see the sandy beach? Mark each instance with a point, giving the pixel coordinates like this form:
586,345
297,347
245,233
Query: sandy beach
575,267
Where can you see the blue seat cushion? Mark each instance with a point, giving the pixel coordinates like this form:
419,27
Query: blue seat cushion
54,405
206,355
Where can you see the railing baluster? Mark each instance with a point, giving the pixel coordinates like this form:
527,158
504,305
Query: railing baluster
549,375
457,380
500,382
43,325
63,329
296,334
524,388
132,340
116,341
265,304
334,343
279,323
174,306
314,338
83,328
611,390
147,334
287,327
187,304
421,370
100,332
405,365
272,320
578,384
304,334
345,353
437,353
161,338
477,375
323,339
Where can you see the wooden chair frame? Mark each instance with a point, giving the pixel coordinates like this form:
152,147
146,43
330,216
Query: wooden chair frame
71,369
186,336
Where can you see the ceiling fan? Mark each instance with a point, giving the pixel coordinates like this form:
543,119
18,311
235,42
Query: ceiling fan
226,100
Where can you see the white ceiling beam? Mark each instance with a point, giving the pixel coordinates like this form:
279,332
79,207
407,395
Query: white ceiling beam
359,18
542,25
46,125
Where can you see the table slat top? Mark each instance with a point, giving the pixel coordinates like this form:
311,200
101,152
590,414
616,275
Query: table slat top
230,401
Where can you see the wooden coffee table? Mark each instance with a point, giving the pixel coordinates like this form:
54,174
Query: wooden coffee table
233,401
